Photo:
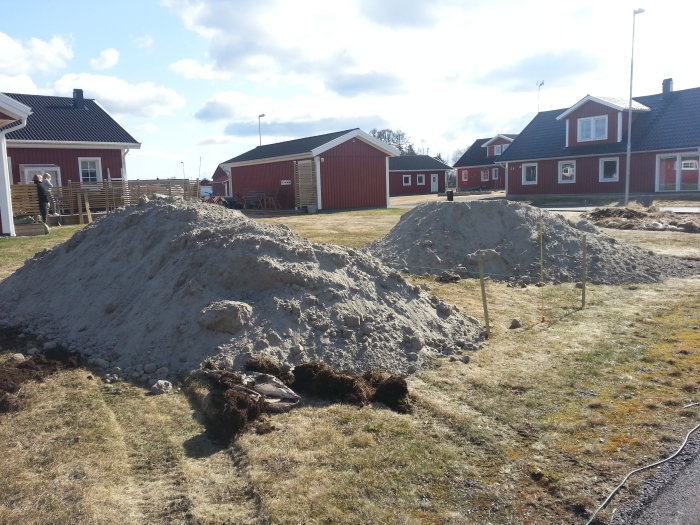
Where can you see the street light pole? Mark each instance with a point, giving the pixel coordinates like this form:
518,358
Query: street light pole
629,115
259,133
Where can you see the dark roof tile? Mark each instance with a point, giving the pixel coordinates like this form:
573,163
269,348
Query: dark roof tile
55,119
416,162
289,147
672,123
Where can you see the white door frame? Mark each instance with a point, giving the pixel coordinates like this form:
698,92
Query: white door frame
434,186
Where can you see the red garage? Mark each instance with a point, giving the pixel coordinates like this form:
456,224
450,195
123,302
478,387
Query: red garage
341,170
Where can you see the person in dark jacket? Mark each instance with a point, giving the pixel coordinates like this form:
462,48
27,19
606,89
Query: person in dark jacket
43,197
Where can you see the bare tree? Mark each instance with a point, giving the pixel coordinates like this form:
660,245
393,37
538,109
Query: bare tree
457,154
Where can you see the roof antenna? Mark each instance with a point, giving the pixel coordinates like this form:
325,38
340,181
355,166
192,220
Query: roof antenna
539,85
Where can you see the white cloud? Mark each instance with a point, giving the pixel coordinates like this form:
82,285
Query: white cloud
119,97
144,42
191,69
18,84
107,59
147,127
33,55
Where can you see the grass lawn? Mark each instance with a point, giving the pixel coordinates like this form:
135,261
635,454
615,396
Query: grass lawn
537,428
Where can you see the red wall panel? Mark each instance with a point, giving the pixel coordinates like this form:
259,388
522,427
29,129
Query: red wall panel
643,179
474,177
353,175
396,186
66,159
265,177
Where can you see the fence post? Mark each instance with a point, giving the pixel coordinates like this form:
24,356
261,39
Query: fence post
480,259
584,269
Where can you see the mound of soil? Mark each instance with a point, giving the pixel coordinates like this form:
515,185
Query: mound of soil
14,373
156,288
445,236
644,219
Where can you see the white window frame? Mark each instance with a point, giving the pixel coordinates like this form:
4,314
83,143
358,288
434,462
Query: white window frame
27,172
420,179
560,171
497,149
601,172
485,175
494,173
407,177
524,171
503,147
685,165
591,121
98,168
465,176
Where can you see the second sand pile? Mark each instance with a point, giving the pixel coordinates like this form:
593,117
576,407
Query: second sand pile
445,236
153,290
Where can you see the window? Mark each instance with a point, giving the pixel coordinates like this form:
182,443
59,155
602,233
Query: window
465,176
593,128
497,149
689,165
485,175
503,147
567,171
529,174
494,173
406,180
608,170
420,179
90,169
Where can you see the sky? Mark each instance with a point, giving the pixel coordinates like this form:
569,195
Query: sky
189,78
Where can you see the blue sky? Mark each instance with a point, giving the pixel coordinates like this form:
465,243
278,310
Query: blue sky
188,78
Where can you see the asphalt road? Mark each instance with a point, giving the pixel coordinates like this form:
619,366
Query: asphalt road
672,495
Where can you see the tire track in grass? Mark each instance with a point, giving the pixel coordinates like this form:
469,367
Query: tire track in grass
178,474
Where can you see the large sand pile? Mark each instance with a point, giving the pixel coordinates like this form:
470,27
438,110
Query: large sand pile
440,236
155,289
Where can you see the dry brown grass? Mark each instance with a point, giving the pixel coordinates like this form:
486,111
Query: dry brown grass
541,424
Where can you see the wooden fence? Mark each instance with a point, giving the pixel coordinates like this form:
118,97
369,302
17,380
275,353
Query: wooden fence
77,198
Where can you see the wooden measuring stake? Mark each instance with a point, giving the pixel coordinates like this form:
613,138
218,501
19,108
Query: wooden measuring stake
584,269
480,259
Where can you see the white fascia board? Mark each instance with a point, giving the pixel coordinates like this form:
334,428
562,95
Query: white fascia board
268,160
365,137
485,144
57,144
602,102
13,108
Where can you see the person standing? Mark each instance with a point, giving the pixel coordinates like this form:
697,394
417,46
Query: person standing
43,195
46,182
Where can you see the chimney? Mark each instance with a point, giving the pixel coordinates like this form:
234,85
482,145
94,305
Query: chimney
667,87
78,101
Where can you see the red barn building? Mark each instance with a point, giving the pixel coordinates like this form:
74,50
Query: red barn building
341,170
73,139
583,149
416,174
478,168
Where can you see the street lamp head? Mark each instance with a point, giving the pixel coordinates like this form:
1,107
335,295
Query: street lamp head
261,115
638,11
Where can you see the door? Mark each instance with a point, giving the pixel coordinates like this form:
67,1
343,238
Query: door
433,183
678,172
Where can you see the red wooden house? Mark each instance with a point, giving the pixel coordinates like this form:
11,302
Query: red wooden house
341,170
72,138
416,174
478,168
583,149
